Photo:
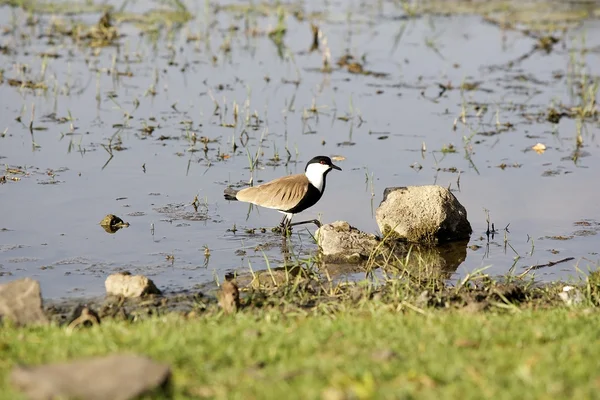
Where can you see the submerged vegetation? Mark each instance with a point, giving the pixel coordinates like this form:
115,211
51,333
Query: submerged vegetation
172,76
130,101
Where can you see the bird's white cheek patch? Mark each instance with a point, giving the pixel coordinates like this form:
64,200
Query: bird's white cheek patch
314,173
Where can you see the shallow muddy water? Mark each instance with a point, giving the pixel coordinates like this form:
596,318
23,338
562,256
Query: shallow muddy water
163,105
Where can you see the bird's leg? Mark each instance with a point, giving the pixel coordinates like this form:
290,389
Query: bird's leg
284,222
285,225
310,221
285,249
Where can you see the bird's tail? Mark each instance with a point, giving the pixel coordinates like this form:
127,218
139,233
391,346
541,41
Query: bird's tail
230,193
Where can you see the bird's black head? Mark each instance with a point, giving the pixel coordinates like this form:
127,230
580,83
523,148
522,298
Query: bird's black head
324,161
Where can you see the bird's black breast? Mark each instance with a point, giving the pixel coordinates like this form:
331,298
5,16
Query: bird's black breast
311,198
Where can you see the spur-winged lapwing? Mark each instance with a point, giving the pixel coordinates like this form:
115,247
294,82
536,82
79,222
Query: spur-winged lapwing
290,194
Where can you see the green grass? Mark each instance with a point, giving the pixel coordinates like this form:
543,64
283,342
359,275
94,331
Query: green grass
372,352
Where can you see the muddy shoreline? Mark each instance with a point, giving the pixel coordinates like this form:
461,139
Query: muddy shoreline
479,293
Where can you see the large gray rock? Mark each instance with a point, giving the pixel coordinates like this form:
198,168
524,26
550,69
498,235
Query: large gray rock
21,302
344,249
422,214
340,242
114,377
127,285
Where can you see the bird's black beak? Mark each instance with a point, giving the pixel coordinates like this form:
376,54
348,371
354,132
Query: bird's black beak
336,167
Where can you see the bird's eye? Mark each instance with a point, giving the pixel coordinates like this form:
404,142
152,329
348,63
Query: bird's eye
323,162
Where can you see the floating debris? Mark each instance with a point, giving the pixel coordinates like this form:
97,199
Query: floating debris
351,63
27,84
554,116
315,37
111,223
539,148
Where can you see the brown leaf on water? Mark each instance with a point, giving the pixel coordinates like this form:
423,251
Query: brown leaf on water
15,171
539,148
345,60
355,68
27,83
558,237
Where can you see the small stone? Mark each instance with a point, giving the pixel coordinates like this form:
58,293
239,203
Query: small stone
114,377
340,242
229,297
127,285
422,214
21,302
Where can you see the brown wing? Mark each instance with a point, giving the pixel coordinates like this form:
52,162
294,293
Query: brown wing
280,194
